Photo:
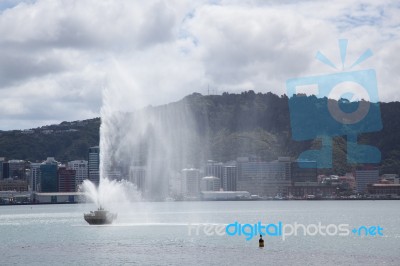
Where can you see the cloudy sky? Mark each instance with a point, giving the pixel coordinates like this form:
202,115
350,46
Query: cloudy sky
58,59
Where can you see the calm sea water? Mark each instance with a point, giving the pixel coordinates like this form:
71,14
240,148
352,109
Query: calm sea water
157,234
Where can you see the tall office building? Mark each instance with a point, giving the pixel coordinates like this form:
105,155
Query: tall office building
263,178
191,182
35,176
16,169
94,164
287,165
114,175
27,177
66,179
81,171
175,186
210,183
230,178
213,168
6,173
48,175
304,171
2,160
365,176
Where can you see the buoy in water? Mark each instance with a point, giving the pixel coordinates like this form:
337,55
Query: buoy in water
261,242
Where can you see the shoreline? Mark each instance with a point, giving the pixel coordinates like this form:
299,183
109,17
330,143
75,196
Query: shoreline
64,203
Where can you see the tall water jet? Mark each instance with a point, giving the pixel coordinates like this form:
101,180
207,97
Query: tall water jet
148,147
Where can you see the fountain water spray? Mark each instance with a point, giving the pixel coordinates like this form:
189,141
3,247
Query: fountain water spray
110,193
147,148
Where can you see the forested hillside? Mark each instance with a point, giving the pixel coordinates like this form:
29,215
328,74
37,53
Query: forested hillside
236,125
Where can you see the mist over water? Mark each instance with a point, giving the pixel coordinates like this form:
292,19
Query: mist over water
111,194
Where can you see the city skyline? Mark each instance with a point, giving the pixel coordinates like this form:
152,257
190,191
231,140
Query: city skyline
241,179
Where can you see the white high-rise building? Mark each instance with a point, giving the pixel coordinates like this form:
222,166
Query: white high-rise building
81,170
35,176
213,168
191,182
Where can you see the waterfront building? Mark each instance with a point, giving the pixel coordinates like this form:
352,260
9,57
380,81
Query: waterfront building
210,183
16,169
2,160
225,195
364,176
384,189
304,171
287,167
331,180
114,175
390,178
213,168
6,173
28,174
81,171
57,197
263,178
191,182
14,192
94,164
229,178
306,189
10,184
175,186
348,181
48,175
66,179
34,179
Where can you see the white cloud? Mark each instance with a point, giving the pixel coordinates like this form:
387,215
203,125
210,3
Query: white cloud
56,57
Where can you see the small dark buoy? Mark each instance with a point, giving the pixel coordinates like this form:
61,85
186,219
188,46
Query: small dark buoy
261,242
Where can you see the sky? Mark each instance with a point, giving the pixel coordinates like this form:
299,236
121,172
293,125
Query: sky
61,60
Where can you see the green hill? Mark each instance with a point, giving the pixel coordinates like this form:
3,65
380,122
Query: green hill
236,125
66,141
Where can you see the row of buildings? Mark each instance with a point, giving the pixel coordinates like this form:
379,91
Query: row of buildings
283,177
49,175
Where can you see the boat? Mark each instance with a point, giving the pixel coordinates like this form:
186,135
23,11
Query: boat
100,216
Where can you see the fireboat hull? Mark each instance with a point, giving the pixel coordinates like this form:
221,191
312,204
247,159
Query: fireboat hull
99,217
